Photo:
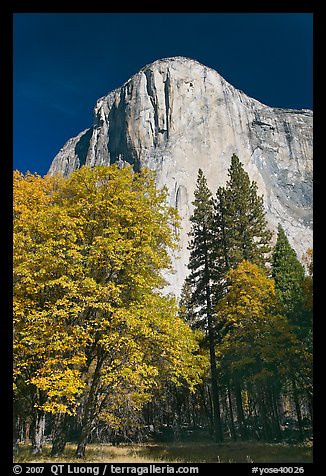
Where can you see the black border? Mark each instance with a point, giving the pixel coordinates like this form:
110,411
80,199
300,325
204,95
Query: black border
6,58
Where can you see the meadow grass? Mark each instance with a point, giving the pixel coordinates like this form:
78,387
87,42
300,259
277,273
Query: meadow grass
190,452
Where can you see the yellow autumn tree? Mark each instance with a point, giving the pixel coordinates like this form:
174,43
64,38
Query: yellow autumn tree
48,294
91,326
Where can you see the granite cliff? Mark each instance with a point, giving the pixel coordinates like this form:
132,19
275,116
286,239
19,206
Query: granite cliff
176,116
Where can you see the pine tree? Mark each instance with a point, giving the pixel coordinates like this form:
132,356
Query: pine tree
200,278
200,246
187,310
289,276
240,221
221,244
240,232
239,227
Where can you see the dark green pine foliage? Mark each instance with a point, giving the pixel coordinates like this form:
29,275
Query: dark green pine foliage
245,222
187,308
289,277
239,233
200,245
200,280
239,227
221,256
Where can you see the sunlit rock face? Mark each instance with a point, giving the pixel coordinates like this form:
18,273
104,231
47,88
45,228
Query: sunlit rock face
176,116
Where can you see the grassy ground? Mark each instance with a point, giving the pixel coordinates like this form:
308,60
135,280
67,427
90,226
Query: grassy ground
249,452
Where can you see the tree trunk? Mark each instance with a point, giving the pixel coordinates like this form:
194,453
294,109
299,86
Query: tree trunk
232,427
263,414
59,435
27,430
215,393
82,443
276,417
207,406
240,413
37,432
15,433
310,407
90,409
297,409
80,452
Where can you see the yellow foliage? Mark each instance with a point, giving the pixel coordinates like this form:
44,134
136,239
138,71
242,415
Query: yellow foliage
88,256
258,341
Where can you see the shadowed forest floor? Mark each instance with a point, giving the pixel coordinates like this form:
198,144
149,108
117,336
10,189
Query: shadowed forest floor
247,452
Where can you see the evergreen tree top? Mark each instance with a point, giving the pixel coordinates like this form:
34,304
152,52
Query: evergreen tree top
203,203
244,217
285,259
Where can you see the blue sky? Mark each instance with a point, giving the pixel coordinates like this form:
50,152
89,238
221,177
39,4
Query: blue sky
64,62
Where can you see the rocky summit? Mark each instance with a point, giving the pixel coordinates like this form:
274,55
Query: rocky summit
176,116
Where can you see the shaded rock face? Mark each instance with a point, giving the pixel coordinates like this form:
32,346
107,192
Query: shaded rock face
176,116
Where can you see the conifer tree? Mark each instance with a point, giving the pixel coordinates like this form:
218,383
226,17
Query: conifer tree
244,233
239,227
187,310
200,278
239,231
289,276
221,244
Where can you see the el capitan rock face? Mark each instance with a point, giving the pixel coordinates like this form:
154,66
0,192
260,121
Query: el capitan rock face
176,116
